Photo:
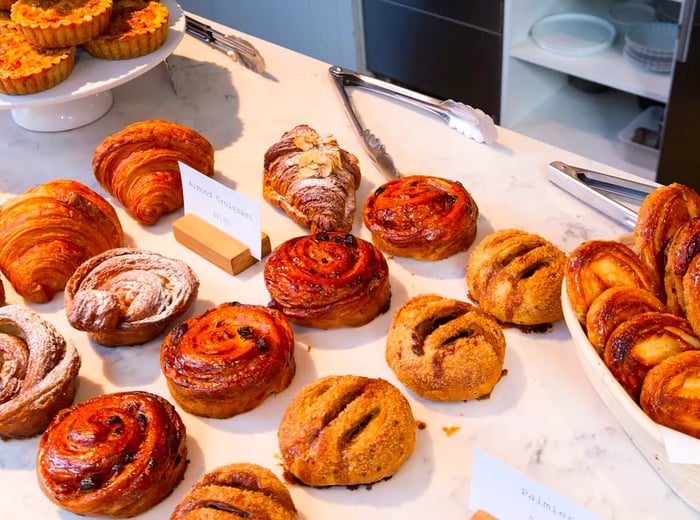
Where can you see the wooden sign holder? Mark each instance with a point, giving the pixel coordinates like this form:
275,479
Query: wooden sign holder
216,246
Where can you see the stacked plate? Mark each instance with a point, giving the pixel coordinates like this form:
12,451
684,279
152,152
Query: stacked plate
650,46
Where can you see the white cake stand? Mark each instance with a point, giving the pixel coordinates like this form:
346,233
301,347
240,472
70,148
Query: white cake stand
86,94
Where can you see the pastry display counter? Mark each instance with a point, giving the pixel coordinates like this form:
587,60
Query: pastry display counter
543,418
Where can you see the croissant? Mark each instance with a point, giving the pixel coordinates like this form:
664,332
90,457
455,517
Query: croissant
139,166
237,491
51,229
127,296
114,455
661,213
39,372
312,179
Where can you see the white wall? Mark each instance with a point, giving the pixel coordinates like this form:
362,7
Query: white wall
329,30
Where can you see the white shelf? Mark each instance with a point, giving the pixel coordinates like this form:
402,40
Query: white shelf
589,124
610,68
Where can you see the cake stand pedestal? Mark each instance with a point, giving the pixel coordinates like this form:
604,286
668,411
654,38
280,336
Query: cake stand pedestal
66,115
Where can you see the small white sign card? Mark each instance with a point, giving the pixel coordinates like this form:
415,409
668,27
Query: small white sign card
223,208
508,494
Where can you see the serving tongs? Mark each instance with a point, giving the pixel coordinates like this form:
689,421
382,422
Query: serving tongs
614,196
234,47
469,121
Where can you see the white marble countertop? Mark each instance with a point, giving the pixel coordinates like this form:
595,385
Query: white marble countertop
543,418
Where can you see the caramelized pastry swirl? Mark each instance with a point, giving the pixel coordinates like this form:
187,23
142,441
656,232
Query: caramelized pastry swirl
127,296
683,247
661,213
670,394
516,277
642,342
312,179
237,490
613,307
328,280
114,455
422,217
38,372
445,349
138,165
51,229
596,265
691,288
228,360
346,430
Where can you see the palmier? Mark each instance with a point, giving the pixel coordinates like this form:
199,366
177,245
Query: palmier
127,296
683,247
312,179
229,359
597,265
670,394
39,373
328,280
237,491
516,277
422,217
445,349
614,306
642,342
346,430
48,231
661,213
138,165
114,455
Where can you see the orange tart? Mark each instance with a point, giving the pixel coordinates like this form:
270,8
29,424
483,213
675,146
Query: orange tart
6,23
27,69
61,23
137,27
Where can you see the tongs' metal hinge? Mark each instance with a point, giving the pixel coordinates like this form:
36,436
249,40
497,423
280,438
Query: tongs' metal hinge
234,46
615,196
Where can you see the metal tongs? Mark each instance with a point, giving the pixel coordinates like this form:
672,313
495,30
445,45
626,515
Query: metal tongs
615,196
469,121
235,47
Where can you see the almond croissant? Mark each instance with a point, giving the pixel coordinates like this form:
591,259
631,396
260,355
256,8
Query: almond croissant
312,179
139,166
48,231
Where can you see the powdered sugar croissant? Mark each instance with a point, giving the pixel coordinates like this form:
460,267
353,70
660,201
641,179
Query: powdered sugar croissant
312,179
139,166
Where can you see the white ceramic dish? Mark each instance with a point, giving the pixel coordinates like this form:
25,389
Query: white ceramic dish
653,39
625,15
85,92
646,435
573,34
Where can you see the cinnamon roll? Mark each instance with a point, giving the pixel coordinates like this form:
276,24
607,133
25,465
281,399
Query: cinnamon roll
661,213
346,430
614,306
237,490
127,296
115,455
138,165
312,179
682,248
516,277
597,265
38,372
642,342
422,217
445,349
228,360
48,231
328,280
670,394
